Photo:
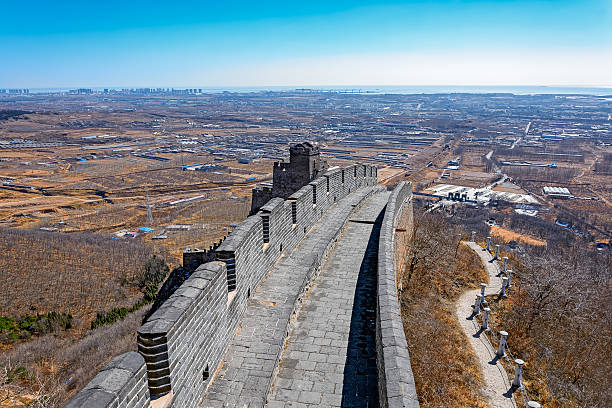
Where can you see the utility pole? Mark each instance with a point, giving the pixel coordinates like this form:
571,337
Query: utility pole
149,212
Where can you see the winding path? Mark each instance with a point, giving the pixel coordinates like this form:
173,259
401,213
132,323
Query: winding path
496,380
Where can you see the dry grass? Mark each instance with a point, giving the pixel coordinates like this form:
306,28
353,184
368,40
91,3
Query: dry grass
445,370
58,366
559,317
507,235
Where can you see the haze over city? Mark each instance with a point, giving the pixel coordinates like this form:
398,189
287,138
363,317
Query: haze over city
315,43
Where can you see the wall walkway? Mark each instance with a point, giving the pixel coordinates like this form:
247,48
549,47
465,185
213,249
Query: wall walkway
184,342
249,364
330,358
251,330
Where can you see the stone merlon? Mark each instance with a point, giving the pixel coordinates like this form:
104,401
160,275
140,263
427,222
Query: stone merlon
182,345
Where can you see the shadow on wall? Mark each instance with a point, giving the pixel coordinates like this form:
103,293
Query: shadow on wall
184,340
396,386
360,383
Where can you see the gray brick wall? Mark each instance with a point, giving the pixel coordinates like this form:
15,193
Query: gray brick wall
176,341
122,383
183,342
395,380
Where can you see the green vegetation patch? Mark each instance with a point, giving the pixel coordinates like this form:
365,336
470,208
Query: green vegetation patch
117,313
18,374
26,326
153,275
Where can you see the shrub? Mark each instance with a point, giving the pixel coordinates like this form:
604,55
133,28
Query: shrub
437,270
117,313
154,272
28,325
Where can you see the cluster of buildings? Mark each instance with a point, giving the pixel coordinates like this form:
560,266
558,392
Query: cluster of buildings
136,91
15,91
27,144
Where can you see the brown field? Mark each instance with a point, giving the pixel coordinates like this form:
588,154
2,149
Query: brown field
90,189
507,235
44,272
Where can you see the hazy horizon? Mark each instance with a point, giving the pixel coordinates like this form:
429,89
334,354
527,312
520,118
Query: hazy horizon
366,89
563,43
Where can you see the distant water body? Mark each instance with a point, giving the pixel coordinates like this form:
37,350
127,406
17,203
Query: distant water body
380,90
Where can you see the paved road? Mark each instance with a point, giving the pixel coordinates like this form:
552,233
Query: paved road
495,377
330,359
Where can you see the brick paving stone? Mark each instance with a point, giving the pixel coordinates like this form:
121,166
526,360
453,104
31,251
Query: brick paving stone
339,317
263,325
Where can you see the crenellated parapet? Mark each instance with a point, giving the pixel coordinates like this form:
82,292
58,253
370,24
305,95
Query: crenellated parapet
194,257
184,339
181,345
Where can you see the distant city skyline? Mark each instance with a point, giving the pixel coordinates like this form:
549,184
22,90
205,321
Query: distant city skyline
70,44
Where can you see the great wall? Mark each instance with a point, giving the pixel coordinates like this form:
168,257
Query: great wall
299,306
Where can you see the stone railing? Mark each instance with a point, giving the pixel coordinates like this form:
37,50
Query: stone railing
184,340
492,334
395,380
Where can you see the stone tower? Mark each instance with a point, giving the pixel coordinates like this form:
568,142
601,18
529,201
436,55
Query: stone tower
304,165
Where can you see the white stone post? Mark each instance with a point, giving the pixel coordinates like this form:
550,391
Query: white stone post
473,236
480,299
488,243
533,404
477,304
509,275
485,321
518,373
501,350
496,252
502,292
505,266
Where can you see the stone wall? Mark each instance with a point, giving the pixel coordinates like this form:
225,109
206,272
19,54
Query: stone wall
395,380
184,340
259,196
122,383
304,166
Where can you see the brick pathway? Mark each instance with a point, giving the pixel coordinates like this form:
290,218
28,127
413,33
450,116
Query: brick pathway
249,363
330,359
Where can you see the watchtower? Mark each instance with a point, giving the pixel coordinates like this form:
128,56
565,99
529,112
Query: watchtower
304,165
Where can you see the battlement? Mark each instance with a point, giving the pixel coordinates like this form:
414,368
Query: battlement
396,386
183,342
121,383
304,166
194,257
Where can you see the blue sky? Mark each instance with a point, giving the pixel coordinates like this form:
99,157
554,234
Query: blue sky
265,43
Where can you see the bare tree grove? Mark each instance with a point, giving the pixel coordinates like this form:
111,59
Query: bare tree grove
67,273
561,323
